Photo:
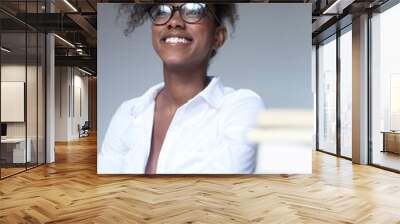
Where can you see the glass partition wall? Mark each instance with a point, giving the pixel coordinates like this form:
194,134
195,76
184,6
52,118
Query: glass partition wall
22,88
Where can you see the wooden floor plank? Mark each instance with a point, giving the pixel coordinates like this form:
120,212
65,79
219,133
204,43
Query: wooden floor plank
70,191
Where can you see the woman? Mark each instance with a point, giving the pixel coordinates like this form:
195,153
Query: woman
190,123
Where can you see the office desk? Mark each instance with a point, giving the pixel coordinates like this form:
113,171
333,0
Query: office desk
13,150
391,141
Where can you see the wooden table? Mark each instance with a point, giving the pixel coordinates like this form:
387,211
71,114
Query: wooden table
391,141
13,150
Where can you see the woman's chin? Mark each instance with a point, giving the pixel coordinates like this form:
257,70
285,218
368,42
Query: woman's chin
176,62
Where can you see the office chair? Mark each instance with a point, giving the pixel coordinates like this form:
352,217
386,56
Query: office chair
84,130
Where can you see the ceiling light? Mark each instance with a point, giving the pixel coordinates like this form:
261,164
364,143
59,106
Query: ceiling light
338,6
84,71
80,51
5,50
65,41
70,5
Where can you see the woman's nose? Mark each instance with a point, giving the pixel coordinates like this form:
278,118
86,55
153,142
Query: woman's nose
176,20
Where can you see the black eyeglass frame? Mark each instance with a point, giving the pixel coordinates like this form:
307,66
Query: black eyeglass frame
179,8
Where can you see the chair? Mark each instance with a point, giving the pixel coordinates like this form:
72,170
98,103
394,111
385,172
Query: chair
84,130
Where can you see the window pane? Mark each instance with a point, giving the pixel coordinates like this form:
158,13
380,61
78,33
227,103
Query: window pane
31,100
327,96
386,89
346,93
41,98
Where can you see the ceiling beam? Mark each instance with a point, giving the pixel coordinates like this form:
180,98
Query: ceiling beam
337,7
84,24
84,61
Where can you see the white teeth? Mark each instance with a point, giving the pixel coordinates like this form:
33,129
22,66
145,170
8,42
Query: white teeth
175,40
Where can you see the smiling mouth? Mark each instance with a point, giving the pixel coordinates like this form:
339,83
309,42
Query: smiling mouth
177,40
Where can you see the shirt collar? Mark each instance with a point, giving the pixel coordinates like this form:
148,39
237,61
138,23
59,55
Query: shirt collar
212,94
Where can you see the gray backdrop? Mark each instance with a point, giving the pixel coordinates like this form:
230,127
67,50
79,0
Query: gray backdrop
269,53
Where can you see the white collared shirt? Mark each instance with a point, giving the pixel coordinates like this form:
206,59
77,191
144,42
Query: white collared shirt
207,134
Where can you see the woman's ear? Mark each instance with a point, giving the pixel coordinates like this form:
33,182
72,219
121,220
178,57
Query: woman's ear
220,37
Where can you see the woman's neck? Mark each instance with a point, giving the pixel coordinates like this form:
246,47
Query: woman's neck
182,84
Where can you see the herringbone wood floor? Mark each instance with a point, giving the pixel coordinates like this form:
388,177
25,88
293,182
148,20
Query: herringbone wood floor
70,191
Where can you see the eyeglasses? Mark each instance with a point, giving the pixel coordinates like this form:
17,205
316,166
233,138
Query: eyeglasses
189,12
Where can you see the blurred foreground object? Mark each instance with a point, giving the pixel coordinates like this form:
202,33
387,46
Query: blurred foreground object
284,138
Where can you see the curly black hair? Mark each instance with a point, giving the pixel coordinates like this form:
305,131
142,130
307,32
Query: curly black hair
137,15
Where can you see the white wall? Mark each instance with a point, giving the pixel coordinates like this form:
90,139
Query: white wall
69,84
33,126
79,117
16,72
61,103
